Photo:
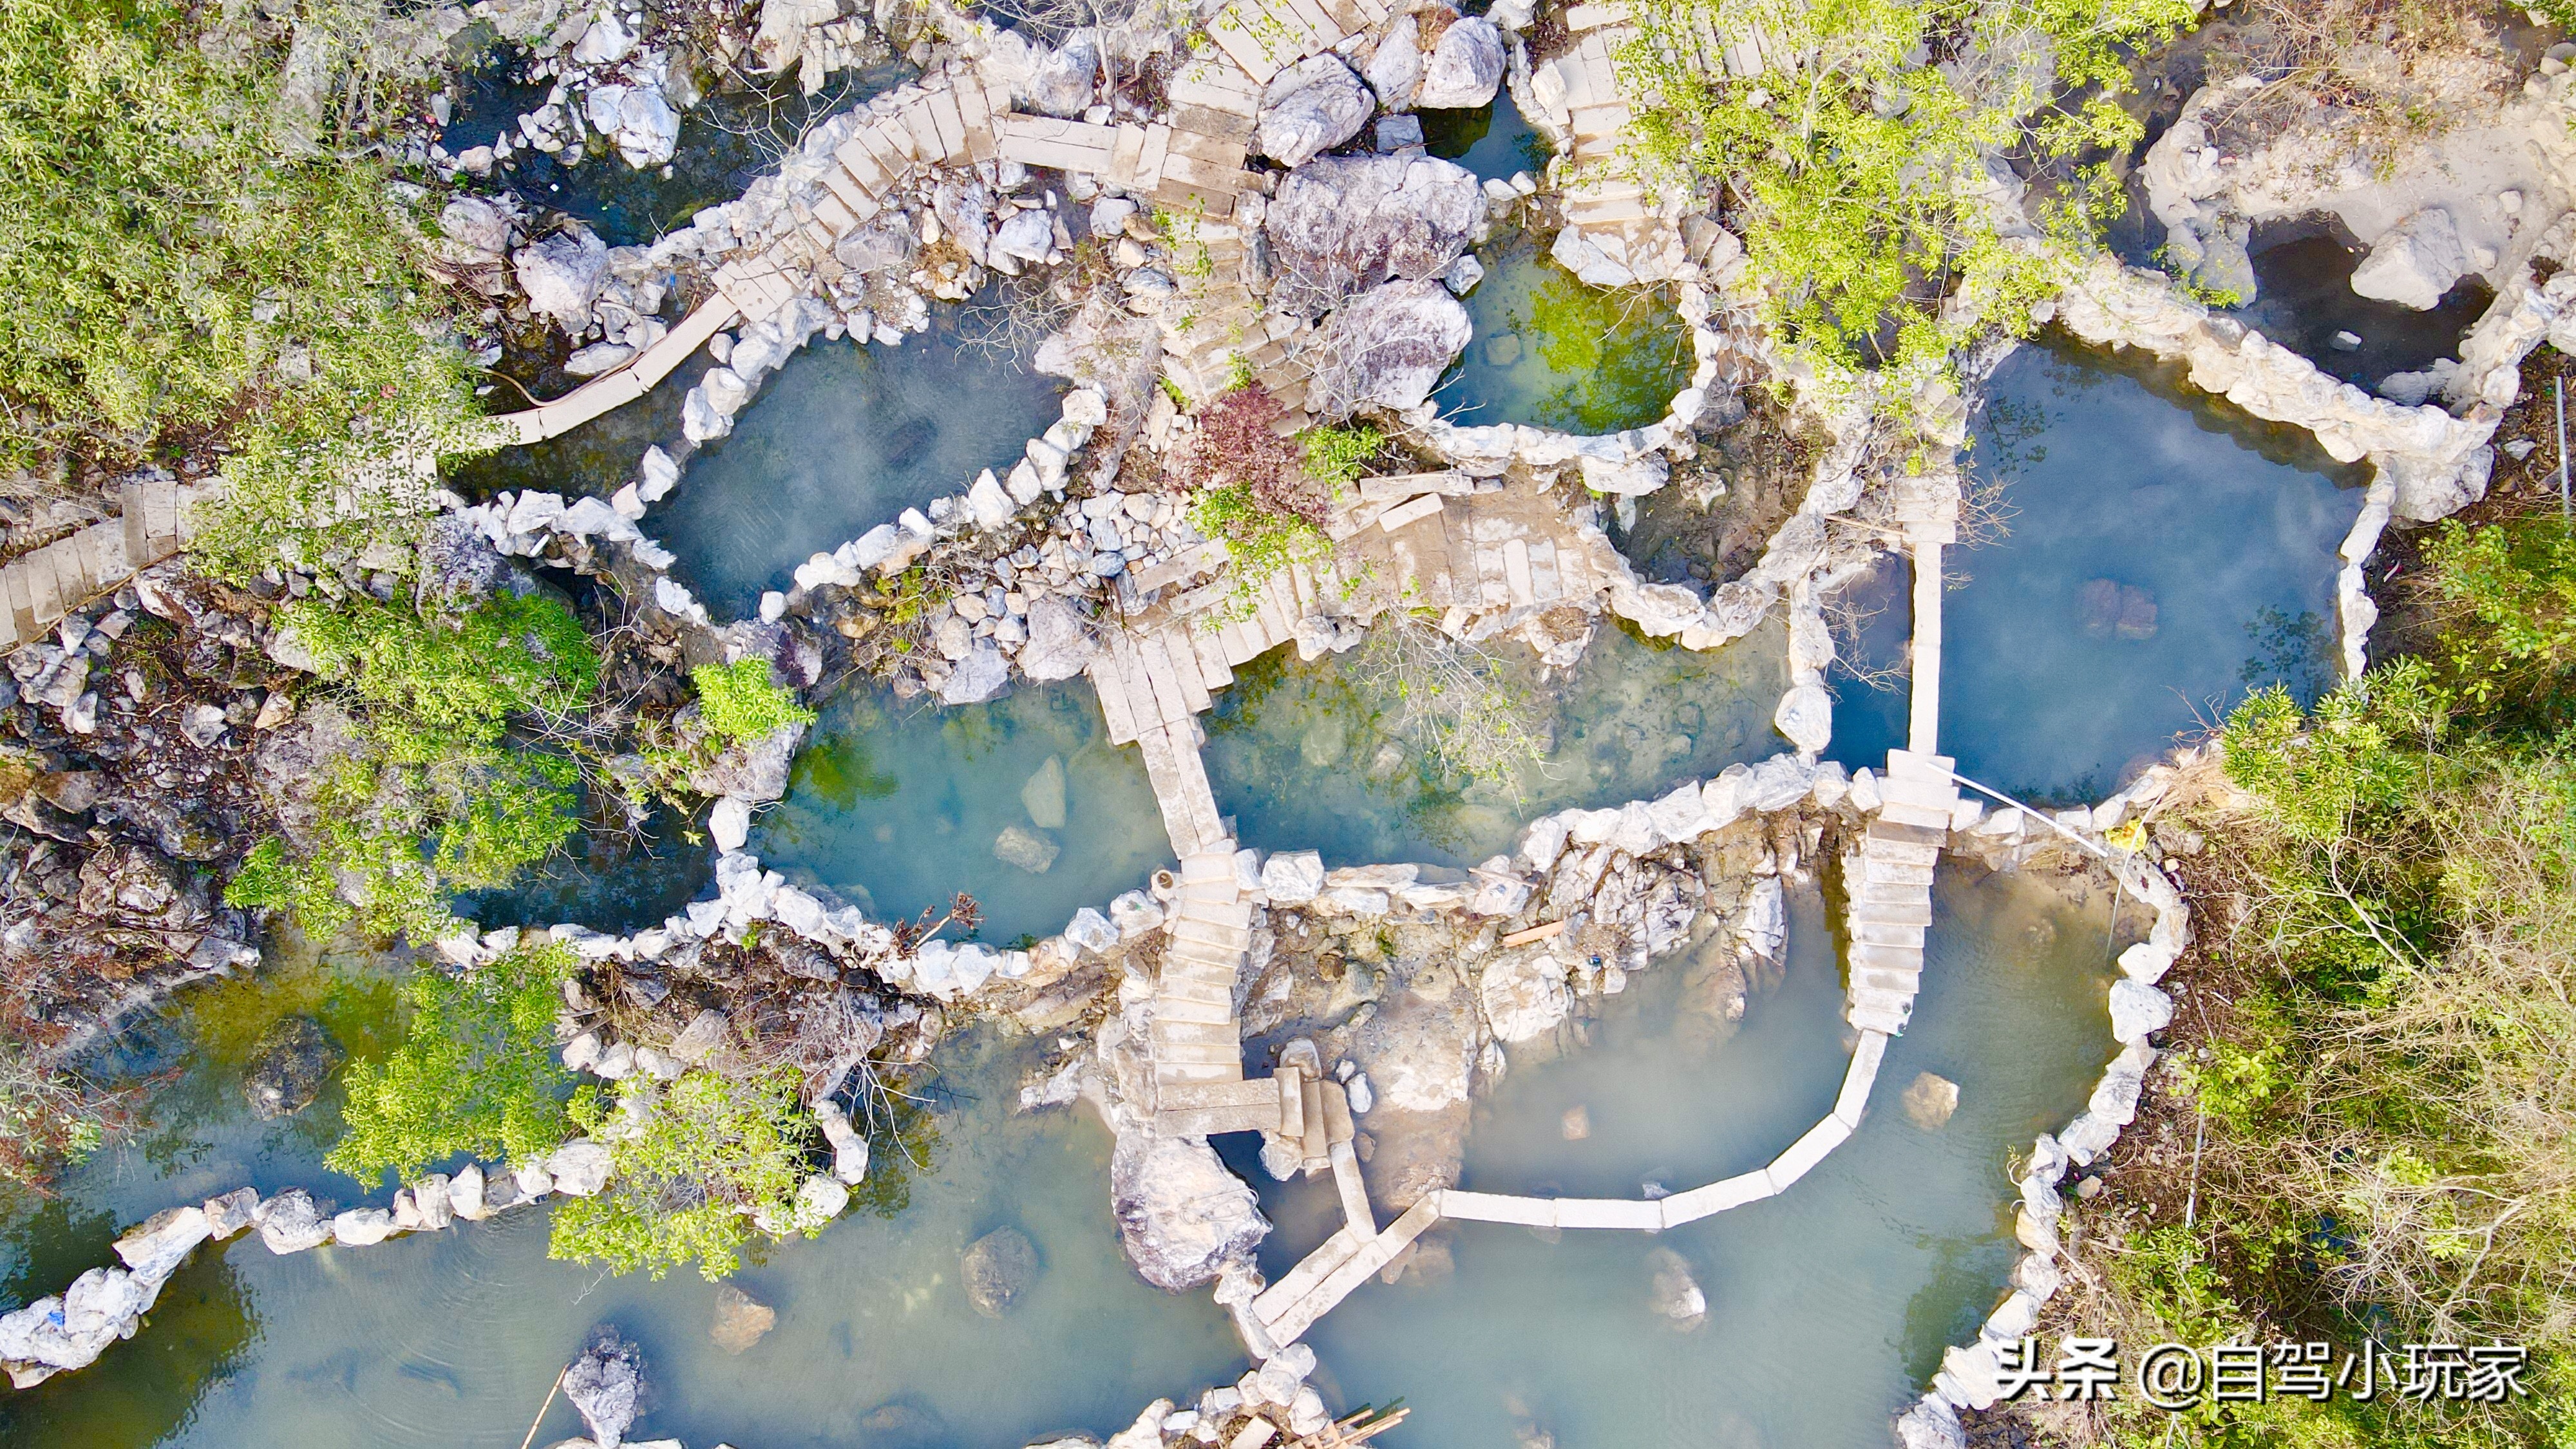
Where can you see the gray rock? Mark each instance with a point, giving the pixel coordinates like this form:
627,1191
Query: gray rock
1091,931
999,1267
579,1168
1465,67
884,244
603,1385
1395,71
1806,718
563,275
477,228
1388,346
1931,1424
1523,994
2138,1010
1025,848
1060,84
1343,224
1028,235
1310,108
163,1241
755,773
291,1223
1182,1217
362,1227
983,674
1293,877
1060,644
740,1319
289,1064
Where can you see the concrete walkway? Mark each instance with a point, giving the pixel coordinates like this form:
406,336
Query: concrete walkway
40,587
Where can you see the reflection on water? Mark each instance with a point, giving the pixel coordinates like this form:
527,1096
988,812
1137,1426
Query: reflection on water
453,1337
1493,141
1313,756
1551,352
899,804
2159,560
841,439
1829,1305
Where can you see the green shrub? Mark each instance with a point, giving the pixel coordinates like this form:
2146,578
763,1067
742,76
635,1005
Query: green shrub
476,1073
178,271
739,702
435,697
700,1168
1857,176
1335,456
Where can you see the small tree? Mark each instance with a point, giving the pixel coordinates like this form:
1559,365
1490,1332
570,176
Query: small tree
740,703
476,1072
699,1168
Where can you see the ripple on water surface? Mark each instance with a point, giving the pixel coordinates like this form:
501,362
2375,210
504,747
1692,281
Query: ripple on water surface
1827,1306
841,439
898,804
452,1338
2160,559
1316,755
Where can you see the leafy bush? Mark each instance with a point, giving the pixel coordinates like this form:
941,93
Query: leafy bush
1859,179
179,269
739,702
1258,493
2506,594
1335,456
476,1072
436,697
700,1166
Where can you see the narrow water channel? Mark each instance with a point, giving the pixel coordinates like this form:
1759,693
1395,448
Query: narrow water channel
1828,1306
1315,756
842,438
1021,803
2157,559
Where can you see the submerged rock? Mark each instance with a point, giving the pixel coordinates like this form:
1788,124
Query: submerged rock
998,1268
1043,795
741,1320
2105,608
1677,1295
1929,1101
1020,846
292,1060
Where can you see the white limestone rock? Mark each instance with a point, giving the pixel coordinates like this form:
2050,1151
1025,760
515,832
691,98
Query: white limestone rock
563,275
1309,108
1389,346
1465,67
1523,994
1293,877
2138,1011
2414,262
1182,1216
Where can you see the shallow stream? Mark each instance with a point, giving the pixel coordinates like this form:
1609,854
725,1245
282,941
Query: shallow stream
1829,1305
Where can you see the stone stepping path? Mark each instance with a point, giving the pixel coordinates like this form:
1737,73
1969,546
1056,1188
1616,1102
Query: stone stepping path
1890,887
40,587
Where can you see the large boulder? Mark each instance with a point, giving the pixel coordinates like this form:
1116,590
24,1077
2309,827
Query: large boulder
1395,71
1388,346
638,120
563,275
1310,108
603,1385
1524,995
998,1268
1059,644
1465,67
982,675
1341,225
1059,82
1181,1215
2414,262
754,772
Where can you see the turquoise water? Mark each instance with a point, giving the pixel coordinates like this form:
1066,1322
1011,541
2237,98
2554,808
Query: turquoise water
1493,141
2160,559
452,1338
841,439
1551,352
1315,756
1829,1305
898,804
